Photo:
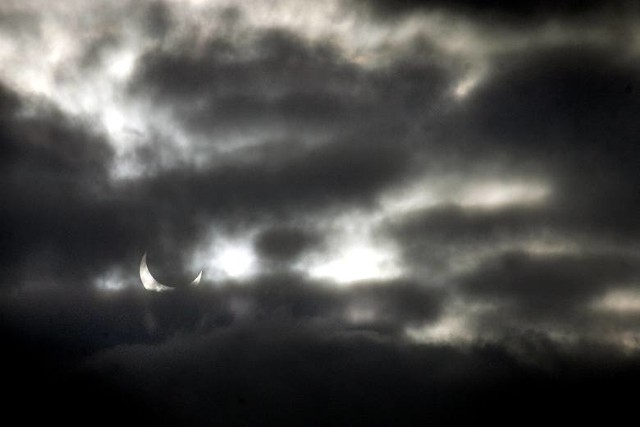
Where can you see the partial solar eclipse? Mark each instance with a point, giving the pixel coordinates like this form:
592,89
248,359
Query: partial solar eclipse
151,284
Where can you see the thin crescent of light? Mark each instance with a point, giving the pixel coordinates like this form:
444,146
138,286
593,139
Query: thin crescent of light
151,284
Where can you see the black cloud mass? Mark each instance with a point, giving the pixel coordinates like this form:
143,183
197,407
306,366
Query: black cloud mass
405,212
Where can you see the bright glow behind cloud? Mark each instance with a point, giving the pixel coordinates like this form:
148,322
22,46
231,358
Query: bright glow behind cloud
354,262
619,301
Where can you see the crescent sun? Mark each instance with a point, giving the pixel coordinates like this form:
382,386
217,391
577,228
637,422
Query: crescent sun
151,284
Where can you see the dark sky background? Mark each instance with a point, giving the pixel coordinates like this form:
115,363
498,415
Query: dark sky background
405,211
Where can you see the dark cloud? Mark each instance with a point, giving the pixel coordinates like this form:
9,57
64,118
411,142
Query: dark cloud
577,100
398,302
60,167
520,10
568,117
562,118
64,220
73,343
282,368
89,320
158,19
279,80
54,176
342,173
547,283
451,224
293,138
276,372
9,103
286,81
279,83
285,244
294,374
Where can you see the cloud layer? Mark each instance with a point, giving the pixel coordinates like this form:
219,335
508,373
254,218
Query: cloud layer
398,206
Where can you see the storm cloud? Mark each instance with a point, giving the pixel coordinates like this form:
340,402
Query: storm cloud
415,211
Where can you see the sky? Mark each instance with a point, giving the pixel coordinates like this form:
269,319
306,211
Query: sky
403,211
